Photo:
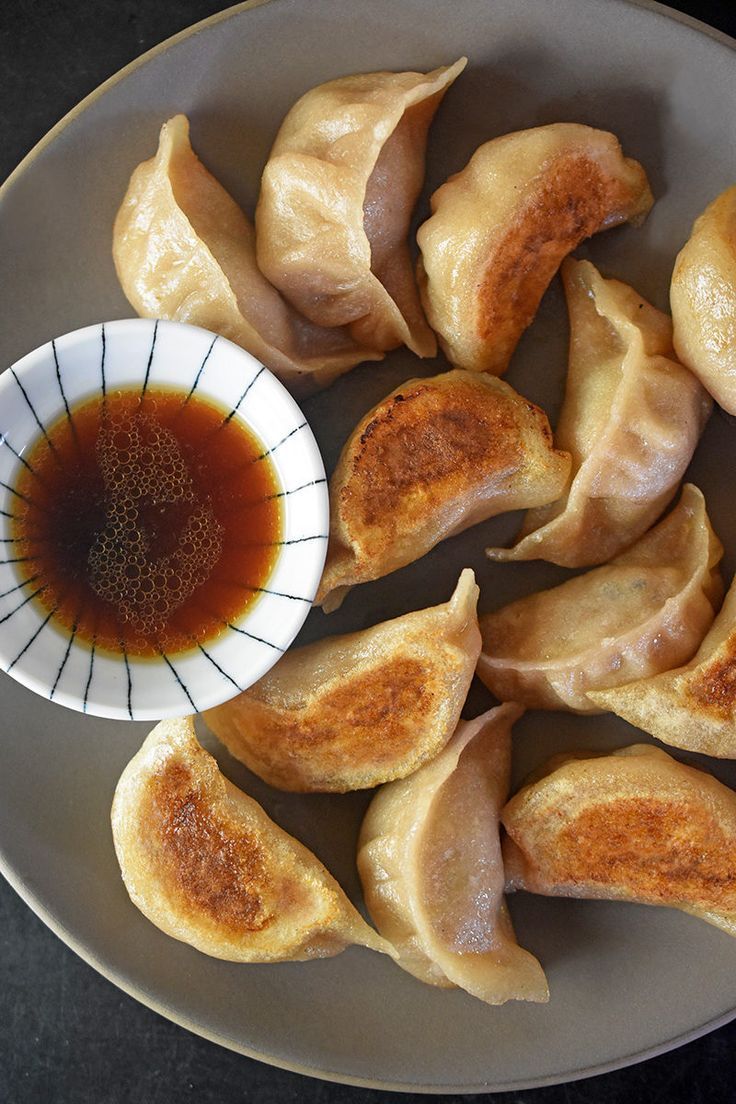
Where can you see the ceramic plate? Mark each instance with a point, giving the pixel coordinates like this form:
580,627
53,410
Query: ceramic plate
626,981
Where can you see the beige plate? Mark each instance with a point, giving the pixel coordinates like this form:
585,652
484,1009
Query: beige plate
626,981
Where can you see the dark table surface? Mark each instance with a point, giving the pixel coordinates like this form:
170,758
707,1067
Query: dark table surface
67,1035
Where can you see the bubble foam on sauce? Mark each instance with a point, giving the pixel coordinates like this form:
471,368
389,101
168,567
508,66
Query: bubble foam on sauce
145,474
147,523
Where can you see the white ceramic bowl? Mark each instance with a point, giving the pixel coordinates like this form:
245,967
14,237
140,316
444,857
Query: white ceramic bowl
49,659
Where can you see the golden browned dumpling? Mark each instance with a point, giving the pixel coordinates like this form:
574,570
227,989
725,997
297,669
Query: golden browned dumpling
694,706
184,250
632,826
336,199
205,864
631,418
500,228
644,612
433,458
703,300
349,712
430,862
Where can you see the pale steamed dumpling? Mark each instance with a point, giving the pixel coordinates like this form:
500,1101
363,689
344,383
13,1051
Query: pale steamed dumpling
184,250
433,458
643,613
500,228
631,419
703,300
205,864
336,200
429,858
635,825
350,712
694,706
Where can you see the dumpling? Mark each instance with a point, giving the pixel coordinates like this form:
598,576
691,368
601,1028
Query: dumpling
694,706
703,300
205,864
185,251
500,228
643,613
349,712
429,858
635,825
631,418
431,459
336,200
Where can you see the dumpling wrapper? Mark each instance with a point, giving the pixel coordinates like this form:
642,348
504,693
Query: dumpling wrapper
703,300
429,858
350,712
336,200
643,613
184,250
500,228
206,865
694,706
631,419
434,457
635,825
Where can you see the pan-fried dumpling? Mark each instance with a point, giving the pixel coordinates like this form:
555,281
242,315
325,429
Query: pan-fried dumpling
336,199
631,418
431,459
643,613
349,712
703,300
694,706
205,864
184,250
500,228
632,826
429,858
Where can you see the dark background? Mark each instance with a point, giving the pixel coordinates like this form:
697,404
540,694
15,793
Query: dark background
68,1036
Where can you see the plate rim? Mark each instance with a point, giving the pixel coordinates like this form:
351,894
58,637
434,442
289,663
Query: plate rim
87,955
336,1077
663,10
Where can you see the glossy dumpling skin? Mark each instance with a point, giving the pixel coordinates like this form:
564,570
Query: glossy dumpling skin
631,419
205,864
433,458
350,712
703,300
694,706
336,200
635,825
184,250
644,612
429,858
500,228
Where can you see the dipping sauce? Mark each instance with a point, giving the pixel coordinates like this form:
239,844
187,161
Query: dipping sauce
146,523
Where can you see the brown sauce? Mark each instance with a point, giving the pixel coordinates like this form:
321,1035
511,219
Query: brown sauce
147,523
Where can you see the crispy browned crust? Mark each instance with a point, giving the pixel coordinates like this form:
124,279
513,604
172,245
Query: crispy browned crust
350,712
210,866
713,686
363,722
203,861
431,459
633,825
575,199
425,438
659,850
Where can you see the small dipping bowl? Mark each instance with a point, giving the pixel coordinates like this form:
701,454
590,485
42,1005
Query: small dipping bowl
54,380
